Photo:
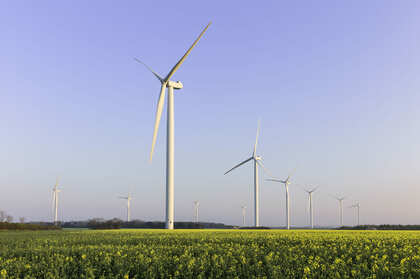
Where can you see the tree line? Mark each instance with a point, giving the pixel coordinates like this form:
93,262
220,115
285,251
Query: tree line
382,227
115,223
27,226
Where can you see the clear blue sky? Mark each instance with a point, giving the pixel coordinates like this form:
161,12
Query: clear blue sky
336,86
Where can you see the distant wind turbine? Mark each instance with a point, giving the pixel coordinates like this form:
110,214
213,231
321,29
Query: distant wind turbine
196,207
340,202
311,209
243,215
257,162
128,198
55,201
171,85
286,183
357,206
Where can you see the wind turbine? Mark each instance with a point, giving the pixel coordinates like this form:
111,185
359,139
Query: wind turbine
286,183
357,205
340,202
196,206
311,209
171,85
128,198
243,215
257,162
55,201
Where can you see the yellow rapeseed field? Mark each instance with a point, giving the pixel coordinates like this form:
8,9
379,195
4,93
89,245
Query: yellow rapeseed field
210,254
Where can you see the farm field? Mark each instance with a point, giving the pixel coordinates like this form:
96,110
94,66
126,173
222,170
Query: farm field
210,254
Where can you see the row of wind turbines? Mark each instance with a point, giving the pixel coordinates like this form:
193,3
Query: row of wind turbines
167,83
257,160
196,205
56,190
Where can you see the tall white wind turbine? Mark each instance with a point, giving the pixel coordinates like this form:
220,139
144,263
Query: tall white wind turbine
340,203
286,183
311,209
128,198
243,215
357,206
55,201
196,207
171,85
257,162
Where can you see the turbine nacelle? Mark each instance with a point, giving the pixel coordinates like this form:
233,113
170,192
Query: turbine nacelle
287,181
311,191
175,85
55,189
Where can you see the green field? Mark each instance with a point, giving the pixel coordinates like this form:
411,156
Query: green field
209,254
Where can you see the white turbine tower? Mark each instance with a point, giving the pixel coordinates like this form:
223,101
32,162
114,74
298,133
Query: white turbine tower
340,202
243,215
171,85
357,206
196,207
55,201
311,209
257,162
286,183
128,198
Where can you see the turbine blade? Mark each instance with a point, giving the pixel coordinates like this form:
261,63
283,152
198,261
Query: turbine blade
259,162
159,110
332,196
291,173
256,138
302,188
275,180
240,164
177,65
150,69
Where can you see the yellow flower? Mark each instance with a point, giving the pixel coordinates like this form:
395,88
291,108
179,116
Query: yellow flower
83,256
306,270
